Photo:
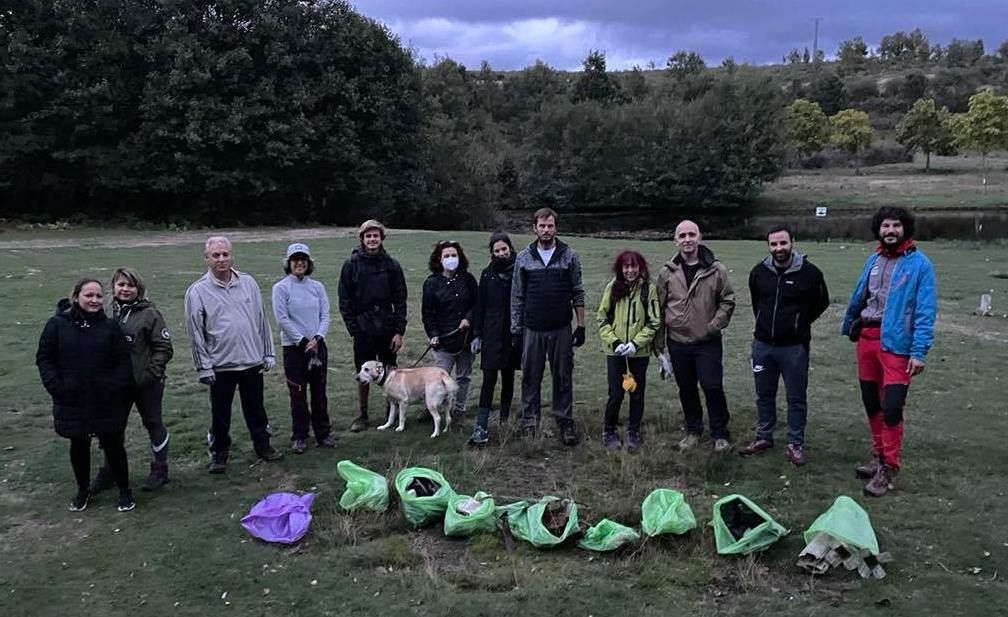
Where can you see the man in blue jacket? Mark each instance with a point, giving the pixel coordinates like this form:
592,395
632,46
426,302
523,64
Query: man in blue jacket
891,315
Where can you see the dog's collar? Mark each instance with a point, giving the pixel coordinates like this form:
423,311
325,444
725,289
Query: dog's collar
384,375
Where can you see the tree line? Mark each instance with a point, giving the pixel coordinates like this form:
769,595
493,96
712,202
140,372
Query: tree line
248,112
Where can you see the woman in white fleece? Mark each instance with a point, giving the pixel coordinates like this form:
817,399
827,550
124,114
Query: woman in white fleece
301,308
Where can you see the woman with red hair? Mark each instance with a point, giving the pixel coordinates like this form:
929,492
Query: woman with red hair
628,318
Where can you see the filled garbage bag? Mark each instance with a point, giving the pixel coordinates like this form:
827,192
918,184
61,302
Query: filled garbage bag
365,489
548,522
424,494
607,535
741,527
666,511
847,522
280,517
468,516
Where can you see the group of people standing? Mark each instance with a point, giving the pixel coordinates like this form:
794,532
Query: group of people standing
98,359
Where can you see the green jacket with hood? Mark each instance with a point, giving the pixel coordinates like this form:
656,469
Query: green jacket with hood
631,321
147,338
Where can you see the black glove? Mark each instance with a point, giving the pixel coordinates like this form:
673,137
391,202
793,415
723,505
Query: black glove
855,330
518,341
579,335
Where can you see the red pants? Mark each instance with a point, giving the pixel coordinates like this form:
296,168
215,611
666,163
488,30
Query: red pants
884,383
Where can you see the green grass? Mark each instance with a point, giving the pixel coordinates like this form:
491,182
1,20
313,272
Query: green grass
953,183
182,549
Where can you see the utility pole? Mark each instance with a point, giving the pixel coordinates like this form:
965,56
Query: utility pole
815,41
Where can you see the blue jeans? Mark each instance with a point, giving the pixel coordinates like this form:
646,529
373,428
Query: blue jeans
769,364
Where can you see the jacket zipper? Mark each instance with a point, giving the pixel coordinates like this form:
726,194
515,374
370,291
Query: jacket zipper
773,317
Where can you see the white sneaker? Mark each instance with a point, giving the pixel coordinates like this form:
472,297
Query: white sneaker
689,441
721,445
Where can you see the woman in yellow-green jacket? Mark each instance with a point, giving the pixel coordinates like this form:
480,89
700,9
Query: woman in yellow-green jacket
628,317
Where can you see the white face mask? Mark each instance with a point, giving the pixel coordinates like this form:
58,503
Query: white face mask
450,263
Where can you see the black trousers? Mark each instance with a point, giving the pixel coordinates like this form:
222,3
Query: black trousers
700,363
616,366
114,446
300,382
490,383
249,384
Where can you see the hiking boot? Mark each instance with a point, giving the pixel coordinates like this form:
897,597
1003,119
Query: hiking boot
756,446
689,441
722,445
479,436
81,500
611,441
103,480
869,469
126,502
568,436
298,446
795,452
158,476
218,462
359,424
327,442
881,483
633,440
267,452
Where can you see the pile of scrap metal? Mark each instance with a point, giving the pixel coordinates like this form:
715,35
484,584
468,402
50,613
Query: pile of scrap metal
825,552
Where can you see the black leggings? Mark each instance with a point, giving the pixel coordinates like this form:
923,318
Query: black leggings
490,382
115,456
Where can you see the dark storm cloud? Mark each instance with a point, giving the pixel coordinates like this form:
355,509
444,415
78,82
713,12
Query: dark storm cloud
513,33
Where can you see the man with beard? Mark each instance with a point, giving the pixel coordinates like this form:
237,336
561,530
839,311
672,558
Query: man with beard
372,302
546,286
891,315
697,302
788,293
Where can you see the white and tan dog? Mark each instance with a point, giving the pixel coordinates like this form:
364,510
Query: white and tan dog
404,385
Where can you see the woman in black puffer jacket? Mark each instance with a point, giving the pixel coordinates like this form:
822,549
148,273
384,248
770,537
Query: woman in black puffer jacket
492,335
85,367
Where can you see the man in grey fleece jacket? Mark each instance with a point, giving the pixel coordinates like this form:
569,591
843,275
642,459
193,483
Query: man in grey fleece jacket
232,346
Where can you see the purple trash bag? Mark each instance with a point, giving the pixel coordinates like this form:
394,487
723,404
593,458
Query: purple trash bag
280,517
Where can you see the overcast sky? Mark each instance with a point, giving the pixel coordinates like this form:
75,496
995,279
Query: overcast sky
512,34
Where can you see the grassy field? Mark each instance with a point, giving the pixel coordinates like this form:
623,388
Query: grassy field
953,183
182,551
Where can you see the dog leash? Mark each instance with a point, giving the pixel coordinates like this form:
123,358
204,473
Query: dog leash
429,347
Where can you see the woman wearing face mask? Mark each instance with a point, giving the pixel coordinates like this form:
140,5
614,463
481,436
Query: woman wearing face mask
449,297
628,317
492,335
149,343
85,367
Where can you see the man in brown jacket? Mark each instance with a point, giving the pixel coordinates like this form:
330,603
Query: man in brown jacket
697,302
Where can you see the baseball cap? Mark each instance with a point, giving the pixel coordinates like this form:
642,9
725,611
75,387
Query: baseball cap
297,247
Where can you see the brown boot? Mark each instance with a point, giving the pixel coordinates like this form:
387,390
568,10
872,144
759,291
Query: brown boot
158,471
881,483
869,469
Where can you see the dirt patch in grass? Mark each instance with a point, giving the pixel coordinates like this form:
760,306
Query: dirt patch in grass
190,237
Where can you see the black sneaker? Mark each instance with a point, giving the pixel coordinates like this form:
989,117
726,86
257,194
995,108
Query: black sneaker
80,501
568,436
479,436
126,502
218,462
268,453
359,424
103,480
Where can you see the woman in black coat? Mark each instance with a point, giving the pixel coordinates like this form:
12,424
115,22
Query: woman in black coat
492,334
85,366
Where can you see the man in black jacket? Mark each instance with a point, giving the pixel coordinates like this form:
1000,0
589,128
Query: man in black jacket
545,289
372,302
788,294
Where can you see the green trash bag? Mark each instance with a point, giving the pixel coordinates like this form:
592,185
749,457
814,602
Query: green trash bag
847,522
607,535
365,489
741,527
468,516
424,494
666,511
527,520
